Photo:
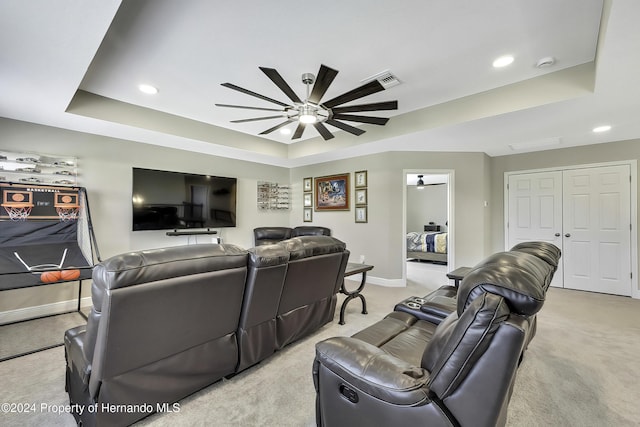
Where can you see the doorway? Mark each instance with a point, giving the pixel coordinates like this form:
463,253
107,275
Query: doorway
589,213
427,226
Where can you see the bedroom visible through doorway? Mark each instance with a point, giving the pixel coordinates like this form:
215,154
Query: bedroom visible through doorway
428,227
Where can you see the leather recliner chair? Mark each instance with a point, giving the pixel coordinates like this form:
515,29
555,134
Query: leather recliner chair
309,295
271,235
162,325
459,372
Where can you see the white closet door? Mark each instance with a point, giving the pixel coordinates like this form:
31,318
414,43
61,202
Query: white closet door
596,229
535,211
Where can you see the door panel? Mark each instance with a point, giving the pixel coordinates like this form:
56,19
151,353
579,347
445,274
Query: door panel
535,211
596,224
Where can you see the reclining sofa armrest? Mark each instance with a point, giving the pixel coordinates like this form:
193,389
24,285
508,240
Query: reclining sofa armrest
373,371
74,351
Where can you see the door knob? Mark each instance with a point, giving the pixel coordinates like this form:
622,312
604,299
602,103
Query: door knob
567,235
557,234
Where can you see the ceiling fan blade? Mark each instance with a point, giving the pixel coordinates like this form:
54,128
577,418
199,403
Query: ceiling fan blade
298,133
345,127
323,81
248,108
366,89
276,127
378,106
362,119
279,81
257,95
256,119
323,131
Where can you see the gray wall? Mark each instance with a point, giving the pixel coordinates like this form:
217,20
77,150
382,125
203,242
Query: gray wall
105,166
382,240
426,205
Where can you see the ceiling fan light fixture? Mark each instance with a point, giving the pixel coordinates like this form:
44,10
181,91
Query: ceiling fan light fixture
307,115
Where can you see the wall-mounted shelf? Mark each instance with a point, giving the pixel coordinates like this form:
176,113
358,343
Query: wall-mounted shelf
273,196
31,168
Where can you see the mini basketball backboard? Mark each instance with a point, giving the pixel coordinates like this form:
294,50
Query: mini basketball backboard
18,203
67,206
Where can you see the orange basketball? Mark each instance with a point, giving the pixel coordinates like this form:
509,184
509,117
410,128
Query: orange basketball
50,276
70,274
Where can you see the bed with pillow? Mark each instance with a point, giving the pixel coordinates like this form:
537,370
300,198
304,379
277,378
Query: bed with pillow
427,246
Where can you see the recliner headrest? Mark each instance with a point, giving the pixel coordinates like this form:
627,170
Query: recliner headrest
272,233
308,246
268,256
520,278
548,252
157,264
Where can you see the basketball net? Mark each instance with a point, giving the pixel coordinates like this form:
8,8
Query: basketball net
68,213
18,213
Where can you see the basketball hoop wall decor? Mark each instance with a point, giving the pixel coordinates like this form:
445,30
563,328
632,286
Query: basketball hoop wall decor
39,202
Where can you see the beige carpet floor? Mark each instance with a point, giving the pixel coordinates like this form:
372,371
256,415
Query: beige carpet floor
581,369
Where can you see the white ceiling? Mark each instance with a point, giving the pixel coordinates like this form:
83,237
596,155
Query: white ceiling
76,64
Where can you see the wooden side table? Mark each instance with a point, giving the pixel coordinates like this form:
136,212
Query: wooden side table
354,268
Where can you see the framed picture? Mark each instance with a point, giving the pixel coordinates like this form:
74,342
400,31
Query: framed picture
307,185
332,192
361,179
307,199
361,214
361,196
307,215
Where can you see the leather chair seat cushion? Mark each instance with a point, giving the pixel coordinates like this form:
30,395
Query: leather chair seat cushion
410,344
381,332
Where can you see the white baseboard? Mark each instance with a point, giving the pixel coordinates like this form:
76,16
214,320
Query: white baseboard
390,283
42,310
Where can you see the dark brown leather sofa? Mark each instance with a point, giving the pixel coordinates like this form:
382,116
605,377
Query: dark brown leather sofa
457,372
167,322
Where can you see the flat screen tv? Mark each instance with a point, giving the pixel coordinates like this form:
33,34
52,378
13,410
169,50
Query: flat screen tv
164,200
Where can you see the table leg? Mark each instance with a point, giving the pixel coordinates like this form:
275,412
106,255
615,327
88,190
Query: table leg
351,295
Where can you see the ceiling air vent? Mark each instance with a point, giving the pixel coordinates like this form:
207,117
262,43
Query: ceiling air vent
386,79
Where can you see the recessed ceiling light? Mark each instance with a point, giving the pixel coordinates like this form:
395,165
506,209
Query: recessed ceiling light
285,131
603,128
503,61
148,89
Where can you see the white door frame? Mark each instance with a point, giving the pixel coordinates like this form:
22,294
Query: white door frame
633,167
450,215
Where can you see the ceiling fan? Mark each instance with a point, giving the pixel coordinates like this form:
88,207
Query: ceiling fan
311,110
